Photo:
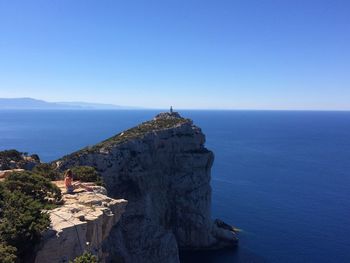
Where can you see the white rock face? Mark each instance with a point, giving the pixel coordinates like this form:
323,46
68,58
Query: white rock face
83,223
163,169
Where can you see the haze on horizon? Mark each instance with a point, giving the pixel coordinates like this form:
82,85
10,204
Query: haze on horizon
190,54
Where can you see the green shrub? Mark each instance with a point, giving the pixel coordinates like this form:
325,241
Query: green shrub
7,156
22,222
87,257
33,185
12,159
47,170
7,253
86,174
23,197
13,155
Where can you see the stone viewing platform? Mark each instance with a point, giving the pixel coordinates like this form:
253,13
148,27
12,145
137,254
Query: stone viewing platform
81,224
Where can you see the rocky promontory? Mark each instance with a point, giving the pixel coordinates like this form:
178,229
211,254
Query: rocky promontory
82,223
163,169
13,159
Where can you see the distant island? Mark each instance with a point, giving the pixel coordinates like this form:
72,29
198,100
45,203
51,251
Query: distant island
35,104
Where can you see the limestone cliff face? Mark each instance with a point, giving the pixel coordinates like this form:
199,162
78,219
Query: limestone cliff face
163,169
83,223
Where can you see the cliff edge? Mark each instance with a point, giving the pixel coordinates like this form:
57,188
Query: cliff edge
82,223
163,169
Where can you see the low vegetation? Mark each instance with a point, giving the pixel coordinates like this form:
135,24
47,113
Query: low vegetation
87,257
33,185
142,129
135,132
87,174
48,171
23,198
10,159
7,253
10,155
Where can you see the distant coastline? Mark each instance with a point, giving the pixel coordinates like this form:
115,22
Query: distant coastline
35,104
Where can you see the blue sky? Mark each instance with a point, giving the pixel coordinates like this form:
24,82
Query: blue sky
281,54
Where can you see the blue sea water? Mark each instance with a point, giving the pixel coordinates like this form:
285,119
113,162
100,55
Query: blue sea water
282,177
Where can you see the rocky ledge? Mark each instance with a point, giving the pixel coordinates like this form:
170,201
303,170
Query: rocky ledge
82,223
163,169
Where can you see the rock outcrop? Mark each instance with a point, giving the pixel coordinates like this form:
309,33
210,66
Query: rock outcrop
163,169
13,159
83,223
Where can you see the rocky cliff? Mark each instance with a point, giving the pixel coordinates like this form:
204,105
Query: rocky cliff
163,169
82,223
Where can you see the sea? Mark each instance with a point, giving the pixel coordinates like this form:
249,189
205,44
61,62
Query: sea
281,177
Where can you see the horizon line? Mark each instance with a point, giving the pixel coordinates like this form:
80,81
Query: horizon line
135,108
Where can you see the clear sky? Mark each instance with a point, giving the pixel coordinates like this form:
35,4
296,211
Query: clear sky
223,54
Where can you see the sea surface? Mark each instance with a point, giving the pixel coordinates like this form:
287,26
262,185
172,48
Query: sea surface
282,177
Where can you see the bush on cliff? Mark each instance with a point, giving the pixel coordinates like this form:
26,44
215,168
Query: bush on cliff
13,155
7,156
22,222
87,257
13,159
48,171
35,186
23,197
7,253
87,174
